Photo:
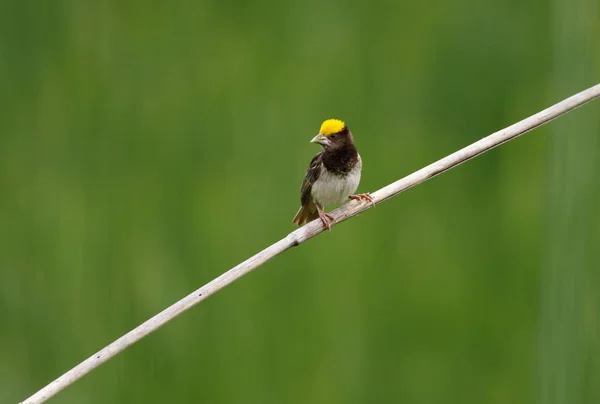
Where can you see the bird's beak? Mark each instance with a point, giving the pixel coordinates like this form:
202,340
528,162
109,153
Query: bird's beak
322,140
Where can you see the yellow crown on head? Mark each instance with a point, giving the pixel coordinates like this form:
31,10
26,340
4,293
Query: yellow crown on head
331,126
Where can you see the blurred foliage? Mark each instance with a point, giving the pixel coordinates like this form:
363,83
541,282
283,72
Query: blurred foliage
569,343
147,147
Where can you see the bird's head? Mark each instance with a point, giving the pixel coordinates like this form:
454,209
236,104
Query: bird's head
333,134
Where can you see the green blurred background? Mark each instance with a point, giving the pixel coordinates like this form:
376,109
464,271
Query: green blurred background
147,147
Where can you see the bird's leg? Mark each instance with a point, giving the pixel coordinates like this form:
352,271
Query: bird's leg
324,216
363,197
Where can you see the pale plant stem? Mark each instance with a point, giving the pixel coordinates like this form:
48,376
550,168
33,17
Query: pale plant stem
310,230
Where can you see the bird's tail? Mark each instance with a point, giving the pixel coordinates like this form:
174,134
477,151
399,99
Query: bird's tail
305,214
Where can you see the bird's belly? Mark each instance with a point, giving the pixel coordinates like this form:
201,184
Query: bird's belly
332,188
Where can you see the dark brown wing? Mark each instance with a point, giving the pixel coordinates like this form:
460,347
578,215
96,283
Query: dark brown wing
314,169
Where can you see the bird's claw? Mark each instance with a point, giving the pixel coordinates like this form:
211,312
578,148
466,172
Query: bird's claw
324,218
363,198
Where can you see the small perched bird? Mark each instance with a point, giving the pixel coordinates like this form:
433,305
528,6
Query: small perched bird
332,176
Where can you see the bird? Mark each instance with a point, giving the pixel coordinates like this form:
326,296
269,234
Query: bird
332,176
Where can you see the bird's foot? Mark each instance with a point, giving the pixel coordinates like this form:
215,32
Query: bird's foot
325,218
363,198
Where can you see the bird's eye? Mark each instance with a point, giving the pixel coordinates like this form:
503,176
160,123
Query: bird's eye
332,136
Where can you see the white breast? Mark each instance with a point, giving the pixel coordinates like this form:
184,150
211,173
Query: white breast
331,188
